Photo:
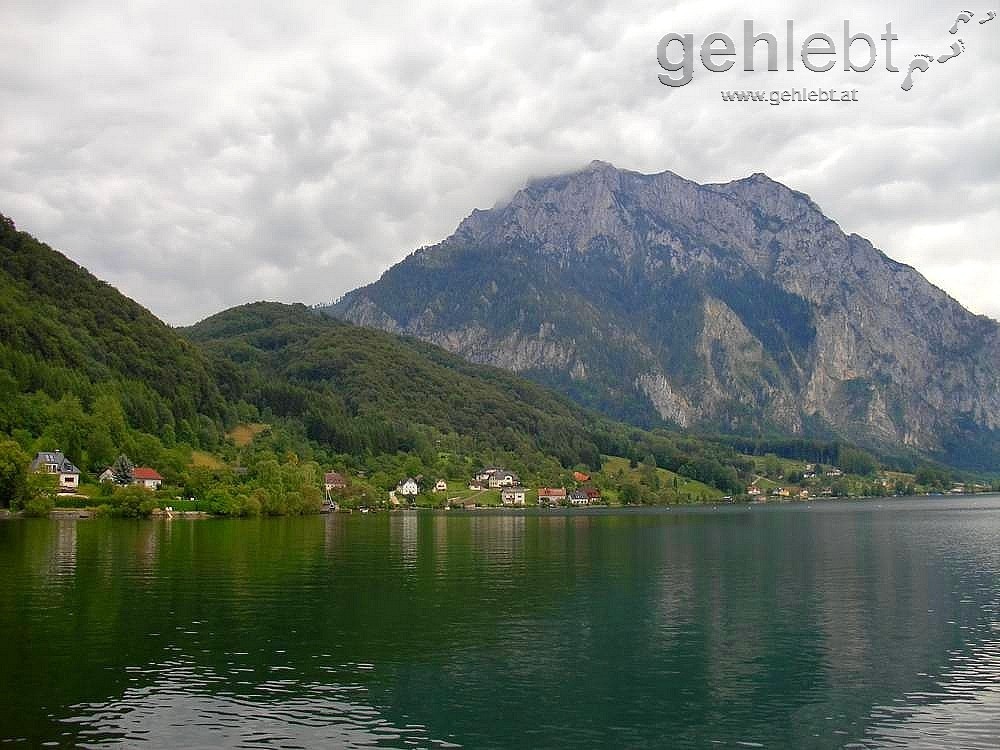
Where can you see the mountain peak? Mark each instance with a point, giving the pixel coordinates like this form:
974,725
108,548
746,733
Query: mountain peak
732,306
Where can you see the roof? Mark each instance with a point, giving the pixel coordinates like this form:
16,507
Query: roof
579,495
579,476
494,470
552,492
63,464
145,473
511,489
333,477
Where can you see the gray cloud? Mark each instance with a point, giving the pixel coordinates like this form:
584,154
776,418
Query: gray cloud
293,151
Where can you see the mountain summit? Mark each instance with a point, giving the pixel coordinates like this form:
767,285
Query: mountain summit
736,307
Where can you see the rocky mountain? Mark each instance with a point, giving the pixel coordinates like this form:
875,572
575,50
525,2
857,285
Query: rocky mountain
735,306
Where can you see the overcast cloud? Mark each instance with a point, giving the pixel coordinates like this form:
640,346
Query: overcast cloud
203,156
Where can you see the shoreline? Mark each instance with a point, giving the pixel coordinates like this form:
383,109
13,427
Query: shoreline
189,515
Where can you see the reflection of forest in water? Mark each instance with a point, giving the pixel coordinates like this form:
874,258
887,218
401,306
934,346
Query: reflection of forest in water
796,625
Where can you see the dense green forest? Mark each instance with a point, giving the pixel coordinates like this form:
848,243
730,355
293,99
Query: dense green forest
85,370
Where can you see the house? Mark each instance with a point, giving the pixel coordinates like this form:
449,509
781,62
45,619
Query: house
835,473
803,494
440,486
475,484
578,497
55,463
408,487
780,492
593,495
503,478
107,476
512,496
334,481
551,495
483,475
579,476
753,490
143,476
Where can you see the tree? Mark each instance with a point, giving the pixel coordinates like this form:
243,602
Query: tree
123,471
630,494
132,502
856,461
14,489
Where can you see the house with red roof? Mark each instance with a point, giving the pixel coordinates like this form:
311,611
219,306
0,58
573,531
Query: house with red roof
551,495
146,477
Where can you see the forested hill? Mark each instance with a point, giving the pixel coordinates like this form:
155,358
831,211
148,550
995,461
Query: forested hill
69,341
363,391
87,371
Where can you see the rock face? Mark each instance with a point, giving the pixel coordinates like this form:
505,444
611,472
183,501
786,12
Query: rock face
738,307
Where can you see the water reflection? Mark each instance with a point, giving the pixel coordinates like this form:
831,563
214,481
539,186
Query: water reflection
178,704
826,625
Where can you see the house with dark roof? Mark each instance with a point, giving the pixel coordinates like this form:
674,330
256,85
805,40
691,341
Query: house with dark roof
496,478
55,463
578,497
408,486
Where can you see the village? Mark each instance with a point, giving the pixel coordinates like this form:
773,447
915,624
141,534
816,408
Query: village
512,493
621,482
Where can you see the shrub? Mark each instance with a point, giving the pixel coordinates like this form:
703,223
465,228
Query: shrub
39,506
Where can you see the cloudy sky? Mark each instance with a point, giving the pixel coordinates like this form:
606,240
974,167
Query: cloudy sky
201,155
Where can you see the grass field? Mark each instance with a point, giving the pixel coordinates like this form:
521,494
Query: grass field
203,460
243,434
616,470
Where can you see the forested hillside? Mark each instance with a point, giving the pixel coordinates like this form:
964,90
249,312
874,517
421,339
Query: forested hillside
87,370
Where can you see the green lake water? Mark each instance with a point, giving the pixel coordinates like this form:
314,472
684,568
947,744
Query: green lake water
866,624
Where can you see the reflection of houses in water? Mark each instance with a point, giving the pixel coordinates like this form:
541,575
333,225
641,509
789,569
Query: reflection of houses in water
500,537
403,536
64,554
148,546
440,541
333,533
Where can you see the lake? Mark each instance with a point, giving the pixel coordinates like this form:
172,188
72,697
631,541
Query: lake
834,624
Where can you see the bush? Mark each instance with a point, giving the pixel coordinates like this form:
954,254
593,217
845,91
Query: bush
39,507
132,502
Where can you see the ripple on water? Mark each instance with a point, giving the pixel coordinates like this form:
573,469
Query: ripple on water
184,706
963,713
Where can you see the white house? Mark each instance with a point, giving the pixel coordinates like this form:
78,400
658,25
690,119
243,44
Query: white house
579,497
68,476
441,486
512,496
496,478
504,478
408,487
146,477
